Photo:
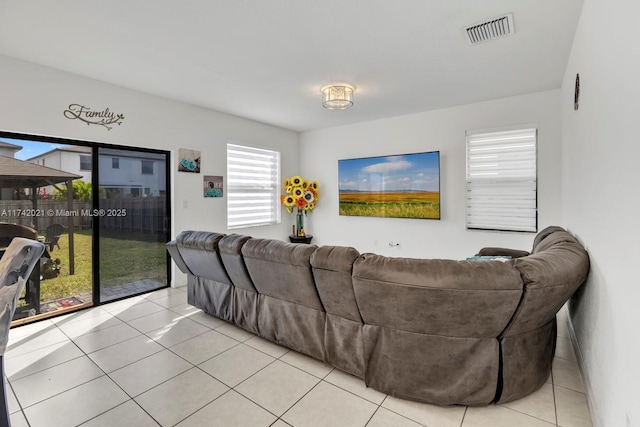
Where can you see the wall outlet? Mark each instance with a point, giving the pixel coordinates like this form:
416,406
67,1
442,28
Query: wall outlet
375,243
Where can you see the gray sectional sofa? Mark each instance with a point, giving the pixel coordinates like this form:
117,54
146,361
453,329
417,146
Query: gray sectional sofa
430,330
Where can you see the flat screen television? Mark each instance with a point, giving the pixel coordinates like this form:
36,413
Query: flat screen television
396,186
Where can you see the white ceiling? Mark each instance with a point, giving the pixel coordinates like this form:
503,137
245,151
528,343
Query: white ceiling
267,59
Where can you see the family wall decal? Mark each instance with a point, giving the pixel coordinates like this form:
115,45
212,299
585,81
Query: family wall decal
104,118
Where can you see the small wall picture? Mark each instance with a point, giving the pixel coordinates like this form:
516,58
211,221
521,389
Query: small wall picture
212,186
188,160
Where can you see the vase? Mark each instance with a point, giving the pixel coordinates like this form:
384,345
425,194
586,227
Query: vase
300,224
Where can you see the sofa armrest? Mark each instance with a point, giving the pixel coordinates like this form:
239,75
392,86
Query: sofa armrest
513,253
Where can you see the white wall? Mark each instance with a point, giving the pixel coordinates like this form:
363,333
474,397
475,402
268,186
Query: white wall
34,97
6,151
444,131
601,203
70,162
54,160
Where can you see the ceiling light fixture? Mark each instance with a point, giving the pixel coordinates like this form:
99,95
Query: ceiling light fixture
338,96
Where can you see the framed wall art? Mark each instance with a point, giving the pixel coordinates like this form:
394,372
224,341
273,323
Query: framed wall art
396,186
212,186
188,160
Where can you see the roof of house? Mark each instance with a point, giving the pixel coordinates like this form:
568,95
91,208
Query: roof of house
16,173
9,145
67,149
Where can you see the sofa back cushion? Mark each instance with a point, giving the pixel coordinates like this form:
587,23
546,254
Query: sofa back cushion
199,251
541,236
332,266
282,270
438,297
551,275
172,248
230,248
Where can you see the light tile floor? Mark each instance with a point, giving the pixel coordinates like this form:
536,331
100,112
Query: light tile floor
154,360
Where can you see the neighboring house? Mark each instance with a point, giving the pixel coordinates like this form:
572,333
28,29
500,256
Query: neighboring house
73,159
9,150
131,174
123,174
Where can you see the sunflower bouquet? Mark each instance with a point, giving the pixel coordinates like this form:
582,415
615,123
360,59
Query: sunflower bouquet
300,196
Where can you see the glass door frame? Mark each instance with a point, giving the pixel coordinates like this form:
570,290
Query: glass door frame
95,146
95,183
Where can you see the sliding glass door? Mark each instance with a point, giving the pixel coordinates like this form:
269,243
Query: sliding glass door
132,220
45,189
102,211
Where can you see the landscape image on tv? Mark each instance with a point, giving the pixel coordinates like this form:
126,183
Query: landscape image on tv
397,186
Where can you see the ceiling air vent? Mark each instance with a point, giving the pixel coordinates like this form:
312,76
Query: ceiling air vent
490,30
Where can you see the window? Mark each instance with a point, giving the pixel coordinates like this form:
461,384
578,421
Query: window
115,163
85,163
501,180
253,179
147,167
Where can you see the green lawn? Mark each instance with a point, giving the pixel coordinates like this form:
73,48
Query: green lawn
66,285
126,257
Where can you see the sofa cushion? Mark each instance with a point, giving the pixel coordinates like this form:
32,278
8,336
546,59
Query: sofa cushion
543,235
230,248
550,277
332,266
199,251
553,239
439,297
335,258
282,270
172,248
204,240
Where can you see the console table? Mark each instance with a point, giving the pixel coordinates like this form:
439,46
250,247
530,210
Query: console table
301,239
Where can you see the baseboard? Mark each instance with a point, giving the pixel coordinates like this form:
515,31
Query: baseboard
591,403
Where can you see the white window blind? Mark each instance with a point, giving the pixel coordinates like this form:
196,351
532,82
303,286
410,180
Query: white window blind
501,181
253,179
